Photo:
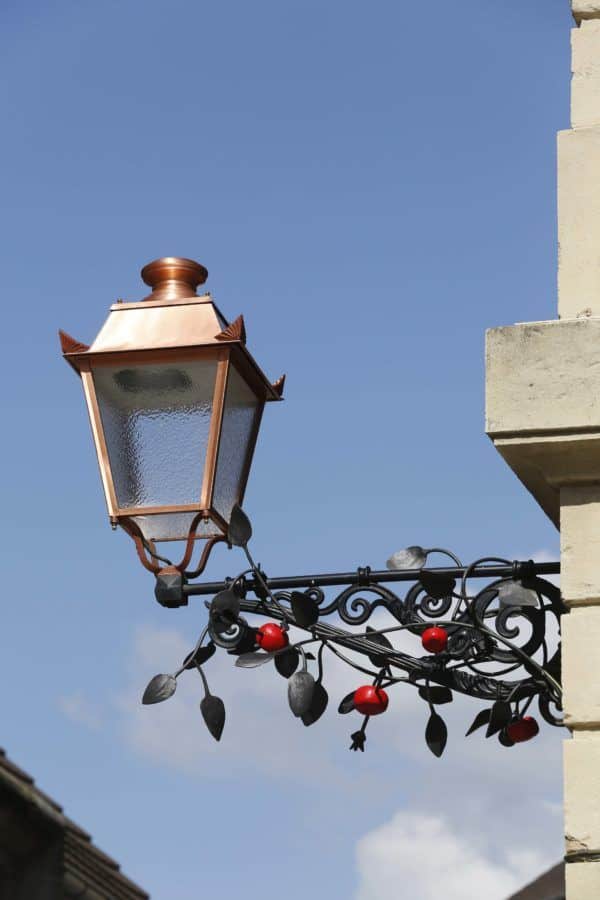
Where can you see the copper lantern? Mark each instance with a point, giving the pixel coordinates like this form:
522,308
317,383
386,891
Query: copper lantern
175,402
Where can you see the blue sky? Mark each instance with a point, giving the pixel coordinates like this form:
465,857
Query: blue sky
372,186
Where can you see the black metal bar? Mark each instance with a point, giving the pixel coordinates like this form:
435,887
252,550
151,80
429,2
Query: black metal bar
381,576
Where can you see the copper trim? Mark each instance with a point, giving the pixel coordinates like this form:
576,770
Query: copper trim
214,435
135,533
204,555
252,374
219,520
189,547
247,366
173,277
89,390
159,510
68,344
144,304
236,331
141,545
146,357
279,385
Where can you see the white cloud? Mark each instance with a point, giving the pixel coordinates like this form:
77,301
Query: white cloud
473,790
79,709
260,732
422,857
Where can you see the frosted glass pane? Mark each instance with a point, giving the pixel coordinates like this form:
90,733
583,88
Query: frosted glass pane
173,526
156,420
239,416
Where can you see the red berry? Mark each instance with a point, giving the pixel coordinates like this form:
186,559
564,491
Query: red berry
522,729
370,700
434,639
271,637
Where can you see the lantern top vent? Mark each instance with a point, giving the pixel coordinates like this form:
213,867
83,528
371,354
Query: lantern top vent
173,278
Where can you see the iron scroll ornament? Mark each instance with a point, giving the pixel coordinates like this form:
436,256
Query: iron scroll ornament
499,645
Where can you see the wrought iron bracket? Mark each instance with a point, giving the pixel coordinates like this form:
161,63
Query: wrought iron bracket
499,644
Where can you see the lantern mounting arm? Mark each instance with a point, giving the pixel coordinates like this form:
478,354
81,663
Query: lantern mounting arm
364,576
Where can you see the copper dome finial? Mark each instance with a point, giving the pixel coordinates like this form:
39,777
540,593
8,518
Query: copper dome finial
173,278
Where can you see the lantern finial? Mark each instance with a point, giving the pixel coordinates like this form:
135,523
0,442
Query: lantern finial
173,278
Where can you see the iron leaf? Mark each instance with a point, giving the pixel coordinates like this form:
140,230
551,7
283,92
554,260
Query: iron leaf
240,528
500,716
374,636
213,713
512,593
436,734
160,688
252,660
226,604
200,656
481,719
347,704
379,638
409,558
436,584
318,705
301,688
224,611
436,694
305,609
287,663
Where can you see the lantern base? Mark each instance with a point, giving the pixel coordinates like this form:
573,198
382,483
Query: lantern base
150,559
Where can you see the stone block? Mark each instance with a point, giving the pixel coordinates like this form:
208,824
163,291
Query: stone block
579,223
581,759
543,377
583,881
580,671
585,83
580,545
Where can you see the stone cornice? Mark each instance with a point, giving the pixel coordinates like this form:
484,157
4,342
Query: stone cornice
585,9
543,404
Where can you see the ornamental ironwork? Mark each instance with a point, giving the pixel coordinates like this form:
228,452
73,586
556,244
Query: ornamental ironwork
498,644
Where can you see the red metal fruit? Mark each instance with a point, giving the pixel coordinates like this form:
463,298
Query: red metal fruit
370,700
434,639
271,637
522,729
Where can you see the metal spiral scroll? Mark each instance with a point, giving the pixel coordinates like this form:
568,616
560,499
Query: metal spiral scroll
471,636
496,643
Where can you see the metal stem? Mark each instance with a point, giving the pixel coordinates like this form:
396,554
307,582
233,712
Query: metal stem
378,577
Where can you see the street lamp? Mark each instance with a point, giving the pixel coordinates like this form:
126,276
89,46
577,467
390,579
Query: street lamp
175,402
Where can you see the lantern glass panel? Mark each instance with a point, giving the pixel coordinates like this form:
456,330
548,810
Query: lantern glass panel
174,526
240,414
156,422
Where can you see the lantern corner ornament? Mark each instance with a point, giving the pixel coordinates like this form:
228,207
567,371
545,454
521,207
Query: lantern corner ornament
175,402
